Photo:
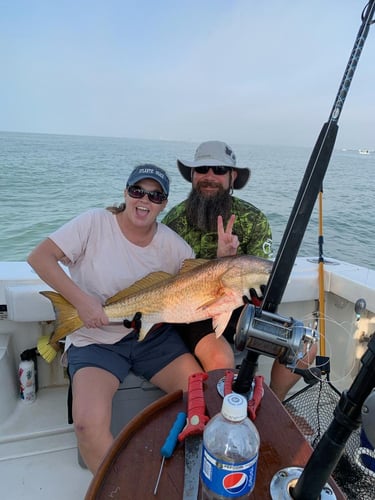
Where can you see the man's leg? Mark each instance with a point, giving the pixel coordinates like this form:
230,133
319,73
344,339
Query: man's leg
283,379
214,353
211,352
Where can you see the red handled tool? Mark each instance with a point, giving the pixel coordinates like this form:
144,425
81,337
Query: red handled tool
254,403
192,433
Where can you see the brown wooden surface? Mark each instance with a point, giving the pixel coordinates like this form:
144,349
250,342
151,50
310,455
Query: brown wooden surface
132,465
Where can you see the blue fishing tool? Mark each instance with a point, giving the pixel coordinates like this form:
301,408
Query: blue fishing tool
169,445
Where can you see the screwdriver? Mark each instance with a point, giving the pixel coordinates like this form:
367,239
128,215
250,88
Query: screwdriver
170,443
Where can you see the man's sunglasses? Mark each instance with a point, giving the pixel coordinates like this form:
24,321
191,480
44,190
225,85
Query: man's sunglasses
215,170
154,196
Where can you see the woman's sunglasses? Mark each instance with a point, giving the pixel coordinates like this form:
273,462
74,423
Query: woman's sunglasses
154,196
215,170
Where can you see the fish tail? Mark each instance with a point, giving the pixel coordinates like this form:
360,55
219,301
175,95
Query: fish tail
67,319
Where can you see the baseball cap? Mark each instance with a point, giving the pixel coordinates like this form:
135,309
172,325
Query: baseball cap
149,171
214,154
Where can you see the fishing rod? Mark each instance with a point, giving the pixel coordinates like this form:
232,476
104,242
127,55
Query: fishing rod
262,323
347,418
322,313
313,178
321,360
251,318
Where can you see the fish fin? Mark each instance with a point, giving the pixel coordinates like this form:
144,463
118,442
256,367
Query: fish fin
225,298
190,264
219,322
140,285
208,304
67,319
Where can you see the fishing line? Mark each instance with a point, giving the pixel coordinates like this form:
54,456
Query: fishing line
313,177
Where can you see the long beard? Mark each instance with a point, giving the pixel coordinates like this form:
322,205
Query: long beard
202,211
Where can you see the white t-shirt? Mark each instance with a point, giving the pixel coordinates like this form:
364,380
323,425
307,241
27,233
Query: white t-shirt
102,261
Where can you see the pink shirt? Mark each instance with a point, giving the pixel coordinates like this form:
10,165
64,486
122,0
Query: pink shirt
102,262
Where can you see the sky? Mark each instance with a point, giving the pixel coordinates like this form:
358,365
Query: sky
246,71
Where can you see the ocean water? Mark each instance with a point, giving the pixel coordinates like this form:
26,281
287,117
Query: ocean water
46,179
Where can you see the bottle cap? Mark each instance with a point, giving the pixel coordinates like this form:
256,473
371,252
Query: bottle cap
28,354
25,356
234,407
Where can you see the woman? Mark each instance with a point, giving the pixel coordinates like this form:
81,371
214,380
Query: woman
106,250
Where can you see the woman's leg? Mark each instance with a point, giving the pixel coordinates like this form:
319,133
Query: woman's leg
93,391
175,375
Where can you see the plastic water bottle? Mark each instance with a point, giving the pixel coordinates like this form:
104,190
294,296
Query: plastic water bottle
26,373
230,452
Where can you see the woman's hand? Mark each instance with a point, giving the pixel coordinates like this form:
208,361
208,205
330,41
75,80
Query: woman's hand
227,243
91,312
44,259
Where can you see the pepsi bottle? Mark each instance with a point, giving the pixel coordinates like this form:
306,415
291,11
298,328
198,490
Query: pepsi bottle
230,452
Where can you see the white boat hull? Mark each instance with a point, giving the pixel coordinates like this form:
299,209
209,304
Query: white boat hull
38,453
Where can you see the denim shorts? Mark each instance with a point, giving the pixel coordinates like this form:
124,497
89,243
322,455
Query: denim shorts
145,358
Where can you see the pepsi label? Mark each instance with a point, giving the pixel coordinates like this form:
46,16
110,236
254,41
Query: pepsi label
228,479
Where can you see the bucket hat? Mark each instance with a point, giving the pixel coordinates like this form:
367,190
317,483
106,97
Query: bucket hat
214,154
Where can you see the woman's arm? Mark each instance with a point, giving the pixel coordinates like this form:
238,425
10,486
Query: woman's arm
44,259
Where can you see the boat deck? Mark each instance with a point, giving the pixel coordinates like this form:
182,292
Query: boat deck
38,452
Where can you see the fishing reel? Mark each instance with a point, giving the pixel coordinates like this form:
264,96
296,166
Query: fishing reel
273,335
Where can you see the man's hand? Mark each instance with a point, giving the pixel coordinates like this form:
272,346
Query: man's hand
255,299
135,324
227,243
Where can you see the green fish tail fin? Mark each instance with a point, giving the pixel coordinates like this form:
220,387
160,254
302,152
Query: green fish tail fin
67,319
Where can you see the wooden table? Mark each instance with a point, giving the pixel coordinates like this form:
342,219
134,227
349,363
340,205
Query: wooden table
131,467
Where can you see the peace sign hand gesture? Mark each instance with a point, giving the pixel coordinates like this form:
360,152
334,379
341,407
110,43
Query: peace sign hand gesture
227,243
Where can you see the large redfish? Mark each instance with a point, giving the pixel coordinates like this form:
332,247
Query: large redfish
202,289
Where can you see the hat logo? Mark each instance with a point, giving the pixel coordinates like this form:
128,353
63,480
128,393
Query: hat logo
230,153
151,171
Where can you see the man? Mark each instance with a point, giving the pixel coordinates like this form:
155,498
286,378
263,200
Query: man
216,224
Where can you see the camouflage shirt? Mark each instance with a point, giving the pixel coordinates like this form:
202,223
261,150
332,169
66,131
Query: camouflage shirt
251,226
